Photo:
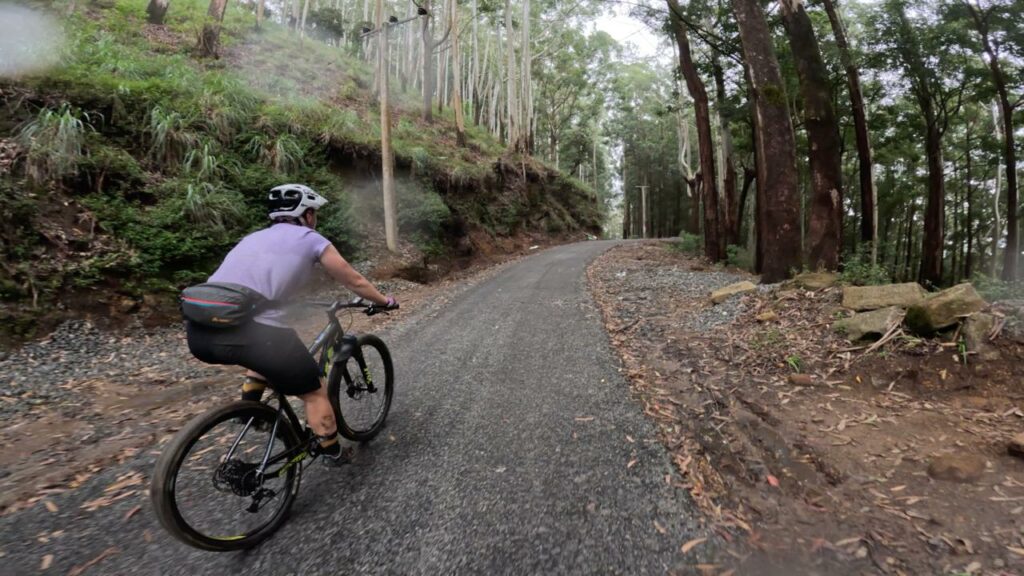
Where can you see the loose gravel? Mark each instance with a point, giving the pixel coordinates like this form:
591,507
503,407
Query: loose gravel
679,282
39,372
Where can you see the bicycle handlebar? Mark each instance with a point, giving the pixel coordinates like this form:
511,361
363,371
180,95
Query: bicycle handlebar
368,308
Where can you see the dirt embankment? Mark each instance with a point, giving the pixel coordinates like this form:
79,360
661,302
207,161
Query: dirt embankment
812,455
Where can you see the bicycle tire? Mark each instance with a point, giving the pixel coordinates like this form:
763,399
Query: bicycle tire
337,387
162,488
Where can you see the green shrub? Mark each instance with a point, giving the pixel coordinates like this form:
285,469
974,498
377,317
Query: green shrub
859,271
688,243
169,137
282,153
739,257
53,143
421,212
993,289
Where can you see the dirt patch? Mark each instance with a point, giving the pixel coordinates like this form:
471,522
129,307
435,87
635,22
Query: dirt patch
809,454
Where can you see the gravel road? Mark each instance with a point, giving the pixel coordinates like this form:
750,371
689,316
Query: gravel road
513,447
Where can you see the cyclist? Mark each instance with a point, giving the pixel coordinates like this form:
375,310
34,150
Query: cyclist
276,262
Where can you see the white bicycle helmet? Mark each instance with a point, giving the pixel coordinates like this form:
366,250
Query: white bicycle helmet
292,200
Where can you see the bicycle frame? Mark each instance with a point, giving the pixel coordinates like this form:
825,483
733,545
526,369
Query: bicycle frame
324,345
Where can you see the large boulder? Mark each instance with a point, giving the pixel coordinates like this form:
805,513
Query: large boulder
861,298
977,327
815,280
723,294
874,323
944,309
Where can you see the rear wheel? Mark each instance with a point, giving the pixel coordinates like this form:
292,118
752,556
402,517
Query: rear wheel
361,395
206,488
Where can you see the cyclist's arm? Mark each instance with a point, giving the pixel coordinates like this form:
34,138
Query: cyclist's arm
343,272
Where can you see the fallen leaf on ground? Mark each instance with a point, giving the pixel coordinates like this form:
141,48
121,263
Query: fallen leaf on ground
661,529
50,506
685,549
772,480
631,463
584,418
77,570
47,560
132,512
1017,551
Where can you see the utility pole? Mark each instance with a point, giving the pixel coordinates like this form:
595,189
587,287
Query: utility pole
643,209
387,158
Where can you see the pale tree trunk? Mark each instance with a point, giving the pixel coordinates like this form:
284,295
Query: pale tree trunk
511,102
526,86
386,156
156,10
428,64
209,38
732,216
1012,254
260,6
713,247
825,230
460,122
302,23
866,169
997,226
779,233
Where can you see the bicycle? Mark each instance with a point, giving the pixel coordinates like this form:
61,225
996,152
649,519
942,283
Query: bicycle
254,453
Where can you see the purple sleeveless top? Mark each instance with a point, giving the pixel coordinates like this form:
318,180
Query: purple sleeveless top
276,262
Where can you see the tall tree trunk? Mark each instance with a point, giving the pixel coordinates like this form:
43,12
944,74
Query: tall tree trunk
387,157
209,38
730,211
779,232
260,8
968,178
825,229
925,93
713,239
428,64
460,122
1011,256
868,191
156,10
511,102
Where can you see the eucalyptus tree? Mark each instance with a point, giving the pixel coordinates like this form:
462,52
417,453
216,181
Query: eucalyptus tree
824,230
714,246
778,202
997,26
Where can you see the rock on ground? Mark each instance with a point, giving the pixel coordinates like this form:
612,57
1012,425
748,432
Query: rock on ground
815,280
944,309
957,467
874,323
723,294
861,298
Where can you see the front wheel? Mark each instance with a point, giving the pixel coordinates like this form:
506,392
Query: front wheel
361,388
211,489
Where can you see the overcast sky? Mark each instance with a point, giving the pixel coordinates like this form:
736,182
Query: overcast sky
631,31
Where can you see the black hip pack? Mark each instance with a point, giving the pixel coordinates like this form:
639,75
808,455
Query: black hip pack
221,304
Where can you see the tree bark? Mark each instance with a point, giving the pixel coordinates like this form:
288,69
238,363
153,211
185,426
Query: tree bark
868,191
779,232
731,214
156,10
824,231
428,64
209,38
713,239
1012,254
460,122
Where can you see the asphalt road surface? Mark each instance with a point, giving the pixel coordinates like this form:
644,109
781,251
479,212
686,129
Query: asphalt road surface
513,447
